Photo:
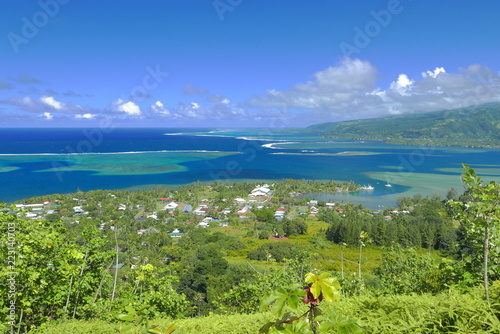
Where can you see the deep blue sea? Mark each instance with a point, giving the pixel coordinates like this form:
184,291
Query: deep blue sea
45,161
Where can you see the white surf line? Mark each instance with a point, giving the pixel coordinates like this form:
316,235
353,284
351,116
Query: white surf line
271,145
110,153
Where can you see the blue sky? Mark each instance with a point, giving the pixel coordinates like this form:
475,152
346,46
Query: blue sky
242,63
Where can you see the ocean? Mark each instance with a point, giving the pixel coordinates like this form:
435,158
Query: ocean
37,162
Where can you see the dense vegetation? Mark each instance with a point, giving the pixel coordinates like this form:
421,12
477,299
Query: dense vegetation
477,126
102,256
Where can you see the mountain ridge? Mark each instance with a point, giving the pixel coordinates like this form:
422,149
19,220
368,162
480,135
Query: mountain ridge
475,126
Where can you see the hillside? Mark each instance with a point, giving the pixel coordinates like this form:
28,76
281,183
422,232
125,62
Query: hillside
477,126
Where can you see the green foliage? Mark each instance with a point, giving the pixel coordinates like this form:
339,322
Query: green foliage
264,215
42,259
279,251
139,323
425,226
451,311
404,270
479,215
448,312
296,226
313,320
471,126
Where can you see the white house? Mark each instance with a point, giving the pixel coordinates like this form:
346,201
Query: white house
170,206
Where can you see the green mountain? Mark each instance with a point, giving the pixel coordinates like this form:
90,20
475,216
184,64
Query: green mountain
477,126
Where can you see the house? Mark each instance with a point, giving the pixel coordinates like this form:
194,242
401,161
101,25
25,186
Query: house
280,213
122,207
314,211
261,191
78,210
244,210
313,202
203,224
330,205
187,208
31,215
201,210
25,206
240,200
175,234
170,206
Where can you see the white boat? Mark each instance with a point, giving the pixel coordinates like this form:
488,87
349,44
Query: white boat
388,185
368,187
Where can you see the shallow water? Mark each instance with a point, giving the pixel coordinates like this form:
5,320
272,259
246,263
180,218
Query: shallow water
44,161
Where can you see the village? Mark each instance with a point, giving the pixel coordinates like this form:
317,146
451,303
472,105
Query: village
202,207
202,213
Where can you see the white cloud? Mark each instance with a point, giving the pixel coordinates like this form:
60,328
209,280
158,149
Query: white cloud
434,73
331,89
47,115
402,85
85,116
195,105
159,108
50,101
348,91
130,108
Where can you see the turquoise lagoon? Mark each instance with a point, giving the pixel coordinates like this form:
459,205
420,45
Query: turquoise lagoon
45,161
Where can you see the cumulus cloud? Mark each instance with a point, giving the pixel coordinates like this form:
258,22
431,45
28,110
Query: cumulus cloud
402,84
85,116
331,89
348,91
50,101
47,116
129,108
434,73
159,109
